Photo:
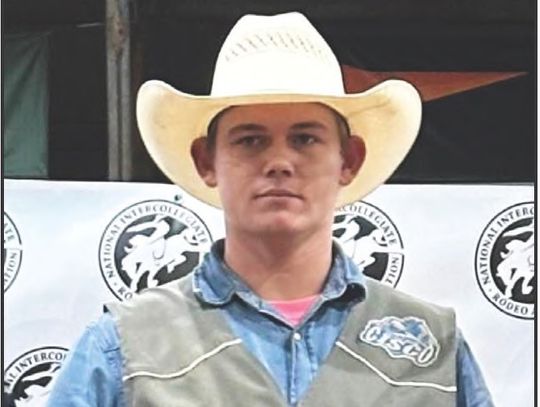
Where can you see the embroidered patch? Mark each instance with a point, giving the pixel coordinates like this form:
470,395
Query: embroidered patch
407,338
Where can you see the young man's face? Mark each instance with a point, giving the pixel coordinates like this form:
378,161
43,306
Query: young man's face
278,168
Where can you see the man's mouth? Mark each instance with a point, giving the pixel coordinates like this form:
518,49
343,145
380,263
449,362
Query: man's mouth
277,193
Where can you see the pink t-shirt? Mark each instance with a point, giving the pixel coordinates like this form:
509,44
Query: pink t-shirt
294,310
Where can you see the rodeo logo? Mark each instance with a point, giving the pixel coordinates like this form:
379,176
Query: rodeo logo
370,238
149,244
11,252
30,378
505,261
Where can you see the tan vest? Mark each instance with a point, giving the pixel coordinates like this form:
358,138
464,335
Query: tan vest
180,352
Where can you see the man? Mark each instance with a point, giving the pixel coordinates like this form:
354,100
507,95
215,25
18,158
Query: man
276,314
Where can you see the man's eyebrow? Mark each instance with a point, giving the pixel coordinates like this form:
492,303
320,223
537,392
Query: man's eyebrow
308,125
246,127
243,127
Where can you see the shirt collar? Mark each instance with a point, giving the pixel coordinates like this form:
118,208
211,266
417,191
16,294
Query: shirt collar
215,283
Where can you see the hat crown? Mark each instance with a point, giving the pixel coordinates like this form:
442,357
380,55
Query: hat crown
276,54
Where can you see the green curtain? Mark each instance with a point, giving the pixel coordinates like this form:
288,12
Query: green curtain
25,105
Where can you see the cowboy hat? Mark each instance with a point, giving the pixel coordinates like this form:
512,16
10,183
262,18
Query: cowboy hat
278,59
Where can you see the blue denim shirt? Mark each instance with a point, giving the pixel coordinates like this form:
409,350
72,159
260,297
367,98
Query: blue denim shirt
92,373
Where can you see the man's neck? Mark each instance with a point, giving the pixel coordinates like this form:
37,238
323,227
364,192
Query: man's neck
280,268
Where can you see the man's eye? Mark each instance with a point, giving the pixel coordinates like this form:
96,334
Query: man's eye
249,141
304,139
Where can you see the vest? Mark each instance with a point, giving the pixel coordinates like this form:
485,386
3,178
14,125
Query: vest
179,351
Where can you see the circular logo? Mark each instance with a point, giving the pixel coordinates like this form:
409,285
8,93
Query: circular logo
369,237
504,261
12,252
29,379
149,244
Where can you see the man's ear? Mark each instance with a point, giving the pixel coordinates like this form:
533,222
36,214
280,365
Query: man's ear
354,154
203,158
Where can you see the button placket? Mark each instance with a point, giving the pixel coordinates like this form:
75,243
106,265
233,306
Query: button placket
293,385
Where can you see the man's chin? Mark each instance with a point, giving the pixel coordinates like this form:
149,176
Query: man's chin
285,223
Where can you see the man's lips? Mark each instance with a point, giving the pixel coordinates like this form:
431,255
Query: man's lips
277,193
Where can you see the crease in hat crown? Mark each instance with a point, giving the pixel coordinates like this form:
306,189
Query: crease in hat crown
277,54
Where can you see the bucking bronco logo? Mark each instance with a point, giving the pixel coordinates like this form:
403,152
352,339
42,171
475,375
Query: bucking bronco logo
369,237
30,378
407,338
149,244
505,261
12,252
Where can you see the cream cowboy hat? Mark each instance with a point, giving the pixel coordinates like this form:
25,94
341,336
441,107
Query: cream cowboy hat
275,59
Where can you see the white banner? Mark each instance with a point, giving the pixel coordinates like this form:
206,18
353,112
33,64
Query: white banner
71,246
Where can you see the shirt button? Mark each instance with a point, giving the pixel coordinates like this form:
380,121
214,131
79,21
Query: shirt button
297,336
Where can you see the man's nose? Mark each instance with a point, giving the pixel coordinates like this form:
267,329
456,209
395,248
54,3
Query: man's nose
279,162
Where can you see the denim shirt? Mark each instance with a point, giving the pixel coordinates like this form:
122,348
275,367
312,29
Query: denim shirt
92,373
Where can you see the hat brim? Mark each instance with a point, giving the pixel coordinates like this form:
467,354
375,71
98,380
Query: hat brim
387,117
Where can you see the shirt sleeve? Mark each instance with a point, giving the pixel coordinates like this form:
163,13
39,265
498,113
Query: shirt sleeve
471,388
91,375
